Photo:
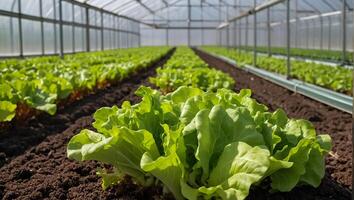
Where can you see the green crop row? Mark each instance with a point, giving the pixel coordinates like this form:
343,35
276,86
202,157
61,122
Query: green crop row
185,68
336,78
326,55
40,83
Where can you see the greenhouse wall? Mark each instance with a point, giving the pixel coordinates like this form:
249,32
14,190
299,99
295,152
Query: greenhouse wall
305,29
179,37
307,22
40,23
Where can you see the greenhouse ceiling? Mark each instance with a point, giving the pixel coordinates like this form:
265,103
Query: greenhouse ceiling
209,13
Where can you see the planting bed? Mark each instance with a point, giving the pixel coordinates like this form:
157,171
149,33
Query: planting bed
326,120
35,165
44,171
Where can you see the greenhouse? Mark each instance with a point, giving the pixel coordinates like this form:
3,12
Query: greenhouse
176,99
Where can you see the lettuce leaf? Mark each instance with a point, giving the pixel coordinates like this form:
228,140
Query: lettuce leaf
209,145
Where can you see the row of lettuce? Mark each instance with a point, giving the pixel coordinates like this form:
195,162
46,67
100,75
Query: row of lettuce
335,78
200,142
317,54
40,83
185,68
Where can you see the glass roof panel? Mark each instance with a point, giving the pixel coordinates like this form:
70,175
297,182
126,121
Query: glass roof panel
216,11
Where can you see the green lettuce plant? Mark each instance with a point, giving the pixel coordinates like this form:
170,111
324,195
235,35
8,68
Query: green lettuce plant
40,83
321,54
335,78
185,68
204,145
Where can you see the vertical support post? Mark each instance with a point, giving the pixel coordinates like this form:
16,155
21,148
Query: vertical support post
269,33
240,35
255,35
220,20
139,35
235,27
228,37
118,34
307,34
168,29
296,24
344,31
96,33
313,34
20,28
61,39
55,26
42,27
168,36
114,32
119,39
246,34
329,32
102,29
189,23
227,29
152,34
73,27
288,74
321,30
12,35
87,29
234,34
202,18
12,29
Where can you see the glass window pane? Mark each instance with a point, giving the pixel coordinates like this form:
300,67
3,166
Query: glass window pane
68,38
30,7
79,14
56,10
9,5
48,9
92,18
9,36
31,33
93,39
80,39
98,18
67,11
49,39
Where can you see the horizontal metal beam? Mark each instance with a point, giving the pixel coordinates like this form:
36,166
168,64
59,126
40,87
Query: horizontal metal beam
55,21
144,6
179,20
165,3
256,9
184,27
105,11
209,5
47,54
36,55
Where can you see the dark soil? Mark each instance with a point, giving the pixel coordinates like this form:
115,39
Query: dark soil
44,172
337,124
